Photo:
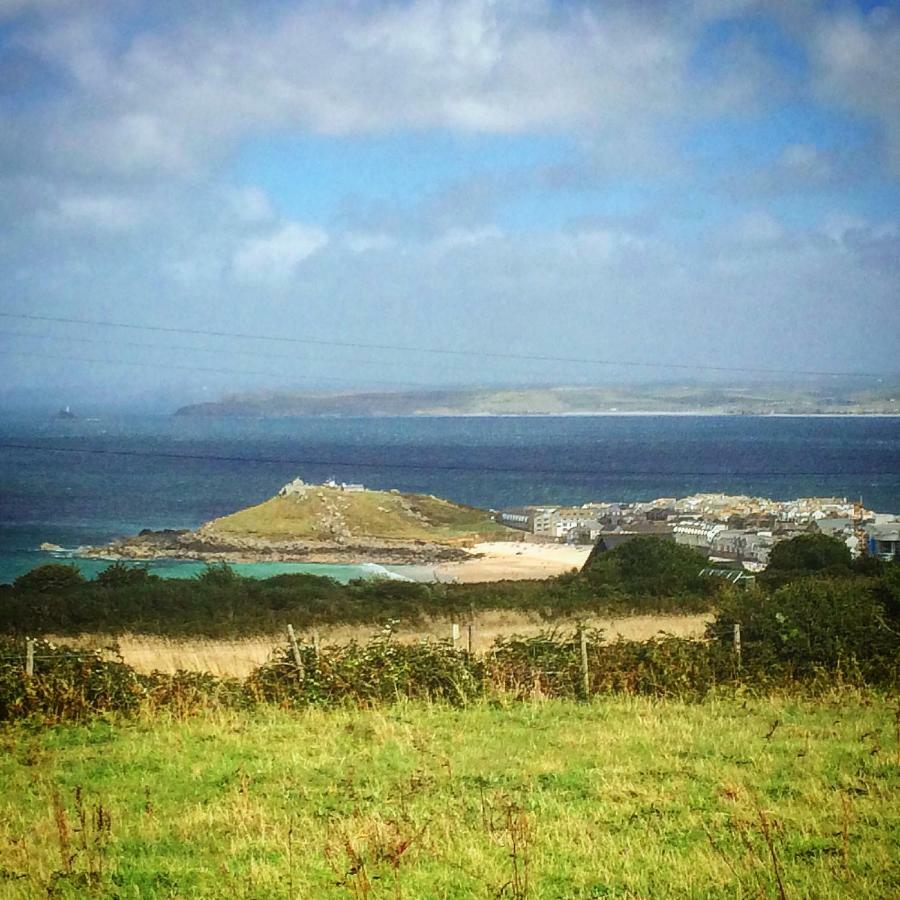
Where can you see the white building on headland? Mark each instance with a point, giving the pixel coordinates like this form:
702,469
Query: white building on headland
298,487
344,486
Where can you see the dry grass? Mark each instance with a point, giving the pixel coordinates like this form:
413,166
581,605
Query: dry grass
147,653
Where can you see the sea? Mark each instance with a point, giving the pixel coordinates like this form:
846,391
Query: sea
82,481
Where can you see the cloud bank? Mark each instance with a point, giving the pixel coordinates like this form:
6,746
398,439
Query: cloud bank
696,181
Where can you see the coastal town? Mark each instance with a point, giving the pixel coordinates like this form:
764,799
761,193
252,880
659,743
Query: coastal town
728,528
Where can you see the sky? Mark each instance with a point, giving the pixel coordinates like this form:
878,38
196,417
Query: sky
704,183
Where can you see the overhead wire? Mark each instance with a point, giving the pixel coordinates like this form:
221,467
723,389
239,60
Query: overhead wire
447,351
267,354
218,371
429,466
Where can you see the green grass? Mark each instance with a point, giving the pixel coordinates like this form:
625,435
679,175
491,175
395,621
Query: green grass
369,514
617,798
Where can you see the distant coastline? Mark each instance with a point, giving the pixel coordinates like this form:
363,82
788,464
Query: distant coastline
756,400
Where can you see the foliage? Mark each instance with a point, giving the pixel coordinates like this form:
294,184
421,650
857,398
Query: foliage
380,671
648,567
816,623
805,634
67,684
220,603
120,575
550,664
809,553
51,578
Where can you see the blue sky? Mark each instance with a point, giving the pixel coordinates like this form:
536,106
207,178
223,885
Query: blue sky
714,182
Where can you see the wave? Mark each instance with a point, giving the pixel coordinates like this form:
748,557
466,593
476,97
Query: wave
374,570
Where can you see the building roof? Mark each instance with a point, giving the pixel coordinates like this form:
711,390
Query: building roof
887,532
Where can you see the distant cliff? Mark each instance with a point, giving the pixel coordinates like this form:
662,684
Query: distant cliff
755,399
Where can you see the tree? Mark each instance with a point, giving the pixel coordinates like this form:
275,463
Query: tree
120,575
53,578
810,553
648,566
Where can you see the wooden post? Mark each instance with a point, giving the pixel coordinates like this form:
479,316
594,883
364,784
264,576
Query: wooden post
295,649
737,642
471,634
29,658
585,671
454,633
316,643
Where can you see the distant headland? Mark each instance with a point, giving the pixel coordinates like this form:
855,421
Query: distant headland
838,397
324,523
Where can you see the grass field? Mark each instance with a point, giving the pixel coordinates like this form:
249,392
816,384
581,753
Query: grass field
239,657
617,798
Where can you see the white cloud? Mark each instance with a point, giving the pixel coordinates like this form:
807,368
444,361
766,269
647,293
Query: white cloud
455,238
856,58
369,242
170,101
250,204
275,256
101,212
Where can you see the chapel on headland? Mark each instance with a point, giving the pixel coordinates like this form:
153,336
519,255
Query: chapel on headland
298,487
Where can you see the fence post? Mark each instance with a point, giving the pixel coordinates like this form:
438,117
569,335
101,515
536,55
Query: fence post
471,634
585,671
737,643
295,649
29,658
316,643
454,634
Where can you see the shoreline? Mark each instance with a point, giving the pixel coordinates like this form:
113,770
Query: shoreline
588,414
484,562
514,561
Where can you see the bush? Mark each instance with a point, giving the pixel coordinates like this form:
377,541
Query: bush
648,569
380,671
807,554
119,575
812,624
67,684
53,578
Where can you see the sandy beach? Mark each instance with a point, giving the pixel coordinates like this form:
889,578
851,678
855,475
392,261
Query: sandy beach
513,560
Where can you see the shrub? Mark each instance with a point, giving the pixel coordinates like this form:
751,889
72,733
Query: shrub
650,568
52,578
379,671
807,554
67,684
119,575
814,623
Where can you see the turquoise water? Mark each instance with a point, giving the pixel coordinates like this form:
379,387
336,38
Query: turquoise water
173,568
86,481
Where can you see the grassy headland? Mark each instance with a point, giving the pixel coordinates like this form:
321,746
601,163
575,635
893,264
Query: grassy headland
325,513
322,523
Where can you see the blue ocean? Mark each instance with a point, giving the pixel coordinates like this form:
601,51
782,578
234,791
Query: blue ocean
87,480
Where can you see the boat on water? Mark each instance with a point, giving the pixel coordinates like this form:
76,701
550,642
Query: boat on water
65,413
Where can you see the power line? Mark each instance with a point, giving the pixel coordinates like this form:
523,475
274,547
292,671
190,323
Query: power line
427,467
359,345
211,370
356,360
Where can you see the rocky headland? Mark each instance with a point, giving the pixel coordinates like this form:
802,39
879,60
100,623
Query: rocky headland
329,523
